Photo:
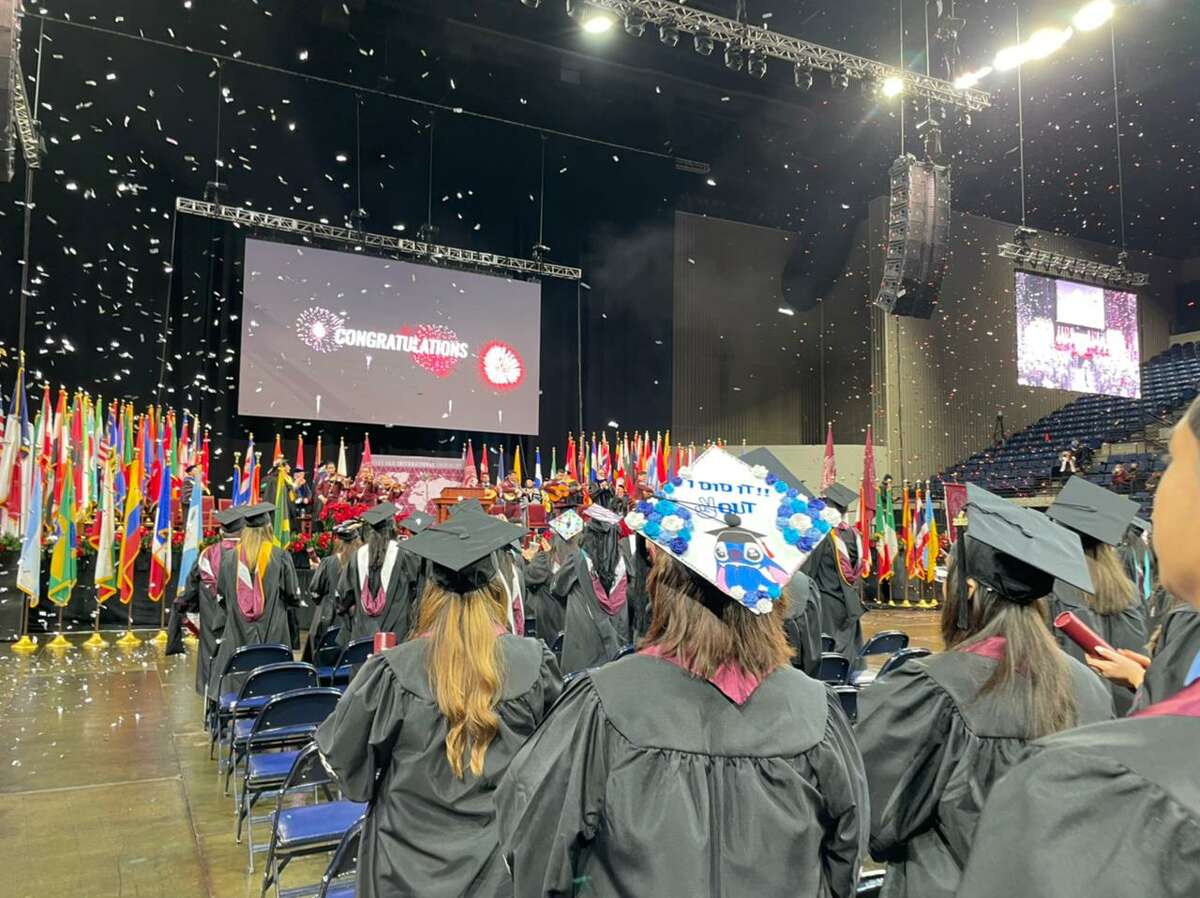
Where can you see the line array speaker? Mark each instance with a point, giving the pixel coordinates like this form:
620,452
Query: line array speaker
918,238
8,73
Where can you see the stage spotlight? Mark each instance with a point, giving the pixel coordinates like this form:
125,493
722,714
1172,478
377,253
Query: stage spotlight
892,87
1045,41
668,36
756,65
532,4
1093,15
964,117
803,76
839,79
635,25
703,44
970,79
1009,58
734,58
597,22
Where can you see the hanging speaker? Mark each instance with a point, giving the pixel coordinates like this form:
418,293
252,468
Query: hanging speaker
918,238
8,73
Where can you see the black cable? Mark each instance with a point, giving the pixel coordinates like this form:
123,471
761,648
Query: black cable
166,335
1112,33
1020,120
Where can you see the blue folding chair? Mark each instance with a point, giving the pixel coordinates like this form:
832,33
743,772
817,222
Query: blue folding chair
864,677
285,722
827,643
557,645
300,831
848,697
340,877
834,668
241,662
351,656
238,710
870,885
327,651
624,651
887,642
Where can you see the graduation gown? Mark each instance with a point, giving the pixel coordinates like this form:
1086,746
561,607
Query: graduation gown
281,591
640,610
510,565
428,833
803,623
592,636
1104,811
1123,630
200,598
1173,659
647,781
841,607
401,571
549,612
323,593
932,752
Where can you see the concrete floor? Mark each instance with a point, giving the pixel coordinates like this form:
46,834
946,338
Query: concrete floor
108,790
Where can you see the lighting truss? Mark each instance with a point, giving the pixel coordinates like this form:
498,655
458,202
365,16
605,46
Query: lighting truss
757,39
31,143
1044,262
466,257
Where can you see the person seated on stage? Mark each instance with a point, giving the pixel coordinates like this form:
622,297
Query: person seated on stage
256,586
937,733
836,566
324,585
378,588
1111,810
303,494
702,763
426,730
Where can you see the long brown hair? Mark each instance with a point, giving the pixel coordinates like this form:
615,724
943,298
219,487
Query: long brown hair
344,548
466,669
1032,675
696,623
1114,590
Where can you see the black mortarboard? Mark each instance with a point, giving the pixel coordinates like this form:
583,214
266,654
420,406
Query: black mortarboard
461,549
841,496
380,514
468,505
1018,552
259,515
232,519
416,522
348,531
1141,524
1090,509
769,460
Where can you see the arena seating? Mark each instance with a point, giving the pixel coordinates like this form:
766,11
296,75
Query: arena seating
1024,464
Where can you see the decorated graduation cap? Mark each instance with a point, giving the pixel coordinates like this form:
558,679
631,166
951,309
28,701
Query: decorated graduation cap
258,515
841,497
744,530
598,512
380,514
1090,509
1017,552
348,531
769,461
232,520
568,525
416,522
461,549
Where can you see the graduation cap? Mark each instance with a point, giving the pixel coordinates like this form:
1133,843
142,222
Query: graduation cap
769,460
461,549
380,514
1141,524
467,505
348,531
1016,551
258,515
232,520
599,513
416,522
567,525
1090,509
841,496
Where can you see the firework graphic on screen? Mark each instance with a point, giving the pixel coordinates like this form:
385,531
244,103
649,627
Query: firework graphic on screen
316,326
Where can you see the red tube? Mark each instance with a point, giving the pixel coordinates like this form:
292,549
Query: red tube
383,640
1080,633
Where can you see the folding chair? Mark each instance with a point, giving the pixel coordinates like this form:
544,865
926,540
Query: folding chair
886,643
350,657
341,875
864,677
827,643
628,649
848,696
300,831
286,721
263,684
327,651
870,885
833,669
243,660
557,647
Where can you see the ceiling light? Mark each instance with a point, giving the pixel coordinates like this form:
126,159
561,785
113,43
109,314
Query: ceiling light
668,36
703,44
839,78
1093,15
596,22
892,87
635,25
1009,58
803,76
757,65
341,157
1045,41
734,58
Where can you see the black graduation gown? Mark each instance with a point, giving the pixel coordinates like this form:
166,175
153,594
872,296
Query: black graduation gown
841,607
932,751
323,593
592,636
398,611
1104,811
428,833
1123,630
200,598
646,781
1174,654
640,610
803,623
549,612
281,591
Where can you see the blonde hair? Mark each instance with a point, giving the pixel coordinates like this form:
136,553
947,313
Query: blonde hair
1114,590
466,669
253,539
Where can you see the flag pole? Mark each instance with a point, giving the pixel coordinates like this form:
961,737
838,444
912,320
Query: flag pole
24,645
128,638
96,641
59,641
161,636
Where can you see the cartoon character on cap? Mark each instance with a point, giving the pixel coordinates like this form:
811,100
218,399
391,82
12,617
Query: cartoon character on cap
745,566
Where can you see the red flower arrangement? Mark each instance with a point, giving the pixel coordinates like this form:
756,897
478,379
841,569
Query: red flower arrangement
339,512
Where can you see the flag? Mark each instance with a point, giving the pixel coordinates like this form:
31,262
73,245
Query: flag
63,564
931,544
367,465
518,471
204,458
921,521
484,473
500,468
283,523
255,488
318,461
106,515
885,533
192,532
160,543
956,501
300,453
554,463
14,433
907,526
866,495
537,467
278,452
572,467
470,478
237,479
829,466
131,539
605,459
663,453
29,567
342,468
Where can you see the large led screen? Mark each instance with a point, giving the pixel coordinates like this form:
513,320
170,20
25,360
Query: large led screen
338,336
1073,336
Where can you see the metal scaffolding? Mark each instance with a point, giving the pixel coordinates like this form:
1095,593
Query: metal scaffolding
1044,262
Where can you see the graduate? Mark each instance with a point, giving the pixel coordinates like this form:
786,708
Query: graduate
938,732
592,632
802,623
608,558
379,583
427,729
548,613
703,764
638,594
1111,810
200,598
256,586
836,567
324,584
